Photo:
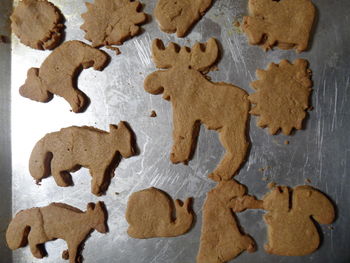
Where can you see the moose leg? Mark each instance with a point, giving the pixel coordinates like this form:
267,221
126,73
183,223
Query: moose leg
98,181
185,132
34,241
73,251
236,145
62,178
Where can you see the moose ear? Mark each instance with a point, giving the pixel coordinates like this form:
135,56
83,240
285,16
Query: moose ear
113,128
164,57
312,202
90,207
203,56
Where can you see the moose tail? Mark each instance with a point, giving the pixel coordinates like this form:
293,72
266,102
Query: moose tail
34,88
18,230
40,159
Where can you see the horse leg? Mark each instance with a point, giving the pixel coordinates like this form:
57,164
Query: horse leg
98,181
184,138
234,140
62,178
34,241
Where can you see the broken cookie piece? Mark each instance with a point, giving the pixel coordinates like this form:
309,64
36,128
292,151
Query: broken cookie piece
150,214
282,96
195,100
38,225
111,22
59,72
179,15
221,238
37,23
59,153
284,23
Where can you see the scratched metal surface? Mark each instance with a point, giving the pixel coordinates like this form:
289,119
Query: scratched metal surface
320,153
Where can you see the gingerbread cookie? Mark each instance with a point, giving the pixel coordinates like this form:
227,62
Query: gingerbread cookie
38,225
59,153
285,23
282,96
37,23
221,239
195,100
59,72
179,15
150,214
111,22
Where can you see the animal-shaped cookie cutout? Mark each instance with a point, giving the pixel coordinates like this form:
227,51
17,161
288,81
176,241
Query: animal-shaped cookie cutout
59,153
221,239
291,219
150,214
282,96
179,15
59,72
36,226
285,23
38,24
195,100
111,22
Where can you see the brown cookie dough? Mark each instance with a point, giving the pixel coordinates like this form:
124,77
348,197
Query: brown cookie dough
282,96
38,225
59,72
285,23
221,239
111,22
195,100
38,24
59,153
291,219
180,15
150,214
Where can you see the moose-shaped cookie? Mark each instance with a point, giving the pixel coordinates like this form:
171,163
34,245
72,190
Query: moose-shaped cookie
67,150
195,100
291,219
285,23
150,214
221,239
38,225
59,72
179,15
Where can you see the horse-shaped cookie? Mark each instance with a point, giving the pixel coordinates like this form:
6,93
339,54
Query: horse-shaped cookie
195,100
221,239
58,74
150,214
38,225
70,148
291,219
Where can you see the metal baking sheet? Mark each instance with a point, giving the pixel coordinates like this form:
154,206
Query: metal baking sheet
319,153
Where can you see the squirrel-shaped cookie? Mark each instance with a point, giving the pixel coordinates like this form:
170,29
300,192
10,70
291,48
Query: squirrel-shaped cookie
291,218
38,225
61,152
195,100
58,74
150,211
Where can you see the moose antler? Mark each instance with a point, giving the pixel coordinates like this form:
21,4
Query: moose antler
200,58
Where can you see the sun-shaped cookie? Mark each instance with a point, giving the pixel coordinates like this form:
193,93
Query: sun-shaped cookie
111,22
282,95
37,23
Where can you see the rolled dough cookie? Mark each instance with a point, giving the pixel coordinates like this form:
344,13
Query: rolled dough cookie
59,72
150,214
195,100
285,23
180,15
38,225
221,239
111,22
59,153
37,23
282,96
291,219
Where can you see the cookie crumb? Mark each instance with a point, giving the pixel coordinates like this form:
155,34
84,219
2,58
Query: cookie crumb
3,39
263,169
116,193
153,114
308,181
271,185
117,50
331,227
286,142
236,23
311,108
65,255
